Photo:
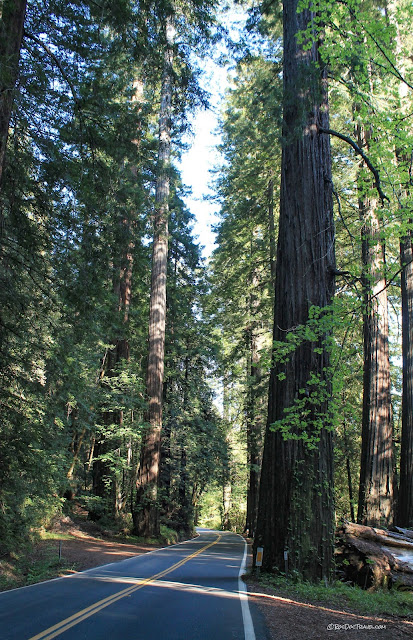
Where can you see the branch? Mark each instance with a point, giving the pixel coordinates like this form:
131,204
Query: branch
19,260
396,72
343,342
339,273
410,168
57,63
9,328
335,194
360,152
392,279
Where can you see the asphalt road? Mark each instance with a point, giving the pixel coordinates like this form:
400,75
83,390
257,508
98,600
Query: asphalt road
189,591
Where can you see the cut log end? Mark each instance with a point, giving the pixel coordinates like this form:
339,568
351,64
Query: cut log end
374,558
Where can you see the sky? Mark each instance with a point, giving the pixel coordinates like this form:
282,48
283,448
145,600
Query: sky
196,165
203,156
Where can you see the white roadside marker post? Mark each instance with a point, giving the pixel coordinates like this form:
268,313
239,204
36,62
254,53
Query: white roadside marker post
286,562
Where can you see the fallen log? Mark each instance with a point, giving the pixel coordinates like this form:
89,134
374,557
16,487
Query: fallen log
408,533
374,558
381,536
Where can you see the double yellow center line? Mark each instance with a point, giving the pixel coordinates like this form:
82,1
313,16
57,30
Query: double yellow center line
66,624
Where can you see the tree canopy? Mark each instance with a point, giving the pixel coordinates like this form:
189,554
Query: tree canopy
267,388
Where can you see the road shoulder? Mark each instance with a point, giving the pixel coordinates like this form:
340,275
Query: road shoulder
292,619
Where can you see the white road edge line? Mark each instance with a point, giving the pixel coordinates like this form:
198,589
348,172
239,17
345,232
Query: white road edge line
243,595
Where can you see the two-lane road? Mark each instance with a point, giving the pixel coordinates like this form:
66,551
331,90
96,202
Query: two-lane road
190,591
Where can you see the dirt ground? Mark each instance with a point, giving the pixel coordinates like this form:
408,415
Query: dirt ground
84,550
286,619
292,619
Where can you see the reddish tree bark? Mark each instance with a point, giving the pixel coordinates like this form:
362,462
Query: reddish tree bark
146,512
405,498
375,506
296,491
255,413
254,439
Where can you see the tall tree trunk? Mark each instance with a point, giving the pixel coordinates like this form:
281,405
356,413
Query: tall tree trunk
165,476
296,491
185,503
404,512
375,506
196,496
254,437
349,479
255,413
226,464
75,449
185,512
146,513
405,502
226,496
271,225
11,34
170,392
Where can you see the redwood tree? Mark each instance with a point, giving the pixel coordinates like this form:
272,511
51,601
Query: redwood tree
296,490
405,501
376,472
255,409
146,512
254,438
375,505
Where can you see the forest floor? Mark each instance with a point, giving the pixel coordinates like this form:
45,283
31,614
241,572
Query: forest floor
290,617
72,545
287,617
86,547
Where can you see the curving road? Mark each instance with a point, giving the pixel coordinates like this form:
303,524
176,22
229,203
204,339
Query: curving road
189,591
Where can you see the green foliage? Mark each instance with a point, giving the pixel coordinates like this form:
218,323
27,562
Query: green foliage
376,603
209,512
240,304
193,443
365,45
29,566
306,417
77,201
77,204
168,535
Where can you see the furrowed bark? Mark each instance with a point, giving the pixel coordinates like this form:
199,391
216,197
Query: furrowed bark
375,505
405,498
255,410
296,491
146,513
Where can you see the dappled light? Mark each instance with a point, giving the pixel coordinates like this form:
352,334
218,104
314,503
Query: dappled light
170,584
304,605
206,318
292,618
